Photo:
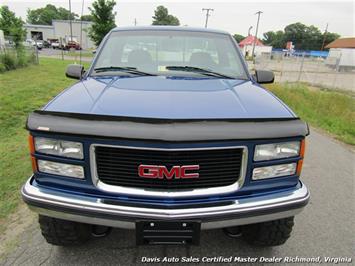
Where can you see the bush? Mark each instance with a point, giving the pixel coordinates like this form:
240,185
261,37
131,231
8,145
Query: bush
12,59
2,68
31,58
9,61
22,59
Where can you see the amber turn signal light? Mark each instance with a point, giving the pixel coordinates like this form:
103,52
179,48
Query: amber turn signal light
32,151
300,162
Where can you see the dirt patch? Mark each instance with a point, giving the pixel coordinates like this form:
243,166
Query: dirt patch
13,227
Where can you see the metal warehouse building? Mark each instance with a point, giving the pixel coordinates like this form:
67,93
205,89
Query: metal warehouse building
61,29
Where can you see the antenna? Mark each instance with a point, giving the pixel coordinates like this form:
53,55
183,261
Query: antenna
81,31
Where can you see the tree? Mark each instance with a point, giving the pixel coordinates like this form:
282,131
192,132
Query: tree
103,19
275,39
238,38
162,17
86,18
12,26
329,37
302,36
45,15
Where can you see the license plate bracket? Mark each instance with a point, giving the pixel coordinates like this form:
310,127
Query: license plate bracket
168,232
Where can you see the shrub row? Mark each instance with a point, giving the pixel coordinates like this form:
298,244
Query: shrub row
11,59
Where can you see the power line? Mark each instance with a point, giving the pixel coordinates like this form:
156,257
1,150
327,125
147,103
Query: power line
256,33
207,14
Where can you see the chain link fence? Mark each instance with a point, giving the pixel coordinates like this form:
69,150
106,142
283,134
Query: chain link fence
316,71
12,57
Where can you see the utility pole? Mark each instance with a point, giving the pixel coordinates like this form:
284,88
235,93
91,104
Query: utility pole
71,27
81,30
256,34
325,35
207,14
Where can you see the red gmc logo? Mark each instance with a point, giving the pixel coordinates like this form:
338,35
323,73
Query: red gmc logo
161,172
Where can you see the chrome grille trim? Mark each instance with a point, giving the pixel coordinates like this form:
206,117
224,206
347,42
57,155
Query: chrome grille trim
198,192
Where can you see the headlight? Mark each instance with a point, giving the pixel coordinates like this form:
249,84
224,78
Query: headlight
274,171
58,147
276,150
54,168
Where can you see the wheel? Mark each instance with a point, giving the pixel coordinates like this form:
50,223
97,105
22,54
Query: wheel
271,233
64,233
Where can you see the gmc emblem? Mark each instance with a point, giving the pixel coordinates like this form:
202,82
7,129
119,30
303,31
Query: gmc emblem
161,172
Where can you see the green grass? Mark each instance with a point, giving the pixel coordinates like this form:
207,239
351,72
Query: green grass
77,54
332,111
22,91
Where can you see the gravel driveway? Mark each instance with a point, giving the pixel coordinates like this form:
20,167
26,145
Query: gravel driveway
325,228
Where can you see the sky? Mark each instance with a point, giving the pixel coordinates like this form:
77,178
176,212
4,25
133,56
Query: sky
233,16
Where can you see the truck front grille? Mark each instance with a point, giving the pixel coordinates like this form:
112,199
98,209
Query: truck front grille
118,166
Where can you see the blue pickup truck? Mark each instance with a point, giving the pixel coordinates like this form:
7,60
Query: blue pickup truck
166,133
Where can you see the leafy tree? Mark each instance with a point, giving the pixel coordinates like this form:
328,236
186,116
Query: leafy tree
329,37
162,17
275,39
296,33
103,19
238,38
302,36
87,18
45,15
12,26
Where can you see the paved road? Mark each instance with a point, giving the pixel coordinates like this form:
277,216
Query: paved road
325,228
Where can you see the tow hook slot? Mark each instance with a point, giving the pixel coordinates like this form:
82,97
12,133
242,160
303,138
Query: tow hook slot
100,231
233,232
168,232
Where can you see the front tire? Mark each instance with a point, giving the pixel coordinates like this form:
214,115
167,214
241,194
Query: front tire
271,233
64,233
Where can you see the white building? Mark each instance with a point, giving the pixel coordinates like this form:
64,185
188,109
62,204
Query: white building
61,29
341,53
246,46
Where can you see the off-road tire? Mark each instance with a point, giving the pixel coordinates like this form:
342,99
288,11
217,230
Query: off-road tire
64,233
271,233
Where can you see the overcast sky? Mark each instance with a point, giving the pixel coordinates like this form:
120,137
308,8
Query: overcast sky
233,16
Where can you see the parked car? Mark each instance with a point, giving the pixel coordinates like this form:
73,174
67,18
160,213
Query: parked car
38,43
166,146
54,43
46,44
72,45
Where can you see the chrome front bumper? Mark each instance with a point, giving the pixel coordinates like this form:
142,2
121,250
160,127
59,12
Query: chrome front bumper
91,210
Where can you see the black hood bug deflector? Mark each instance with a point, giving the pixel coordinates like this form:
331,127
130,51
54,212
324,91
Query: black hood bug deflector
165,129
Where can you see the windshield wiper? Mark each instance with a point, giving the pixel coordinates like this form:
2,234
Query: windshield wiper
202,71
131,70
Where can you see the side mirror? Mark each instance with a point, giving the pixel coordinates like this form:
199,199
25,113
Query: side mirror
264,76
74,71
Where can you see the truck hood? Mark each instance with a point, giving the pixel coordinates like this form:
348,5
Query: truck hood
169,97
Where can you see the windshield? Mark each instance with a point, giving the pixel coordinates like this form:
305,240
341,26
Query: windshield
170,53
